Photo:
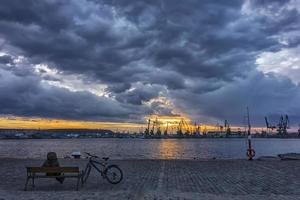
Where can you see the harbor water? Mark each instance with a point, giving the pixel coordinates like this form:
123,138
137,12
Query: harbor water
148,148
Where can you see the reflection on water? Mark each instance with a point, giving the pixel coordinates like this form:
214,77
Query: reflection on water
148,149
170,149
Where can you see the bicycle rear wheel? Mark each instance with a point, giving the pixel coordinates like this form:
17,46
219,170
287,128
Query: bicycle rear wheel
113,174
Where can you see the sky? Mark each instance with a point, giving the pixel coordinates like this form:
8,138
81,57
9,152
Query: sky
93,61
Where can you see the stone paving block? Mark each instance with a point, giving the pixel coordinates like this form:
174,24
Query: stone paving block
166,179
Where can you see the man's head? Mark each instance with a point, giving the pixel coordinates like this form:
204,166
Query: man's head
51,156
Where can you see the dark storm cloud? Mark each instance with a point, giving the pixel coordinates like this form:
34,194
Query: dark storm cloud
170,35
265,96
279,16
139,94
27,96
158,109
5,59
118,87
196,53
23,94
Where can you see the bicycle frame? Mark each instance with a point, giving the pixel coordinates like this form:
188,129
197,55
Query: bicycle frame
102,167
94,164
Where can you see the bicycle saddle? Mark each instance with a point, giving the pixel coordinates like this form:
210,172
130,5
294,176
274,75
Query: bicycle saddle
105,158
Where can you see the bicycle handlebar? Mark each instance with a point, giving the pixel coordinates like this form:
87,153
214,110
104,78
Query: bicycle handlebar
94,156
91,155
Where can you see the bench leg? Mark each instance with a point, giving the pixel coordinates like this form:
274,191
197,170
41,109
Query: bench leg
33,186
26,183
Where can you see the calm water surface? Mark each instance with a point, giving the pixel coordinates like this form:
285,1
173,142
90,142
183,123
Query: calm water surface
148,149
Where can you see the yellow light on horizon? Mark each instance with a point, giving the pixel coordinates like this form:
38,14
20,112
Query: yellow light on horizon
162,119
43,123
13,122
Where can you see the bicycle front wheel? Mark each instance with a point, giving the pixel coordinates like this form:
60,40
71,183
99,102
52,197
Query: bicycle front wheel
113,174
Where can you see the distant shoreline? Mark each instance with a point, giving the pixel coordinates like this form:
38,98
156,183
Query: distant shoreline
105,133
136,138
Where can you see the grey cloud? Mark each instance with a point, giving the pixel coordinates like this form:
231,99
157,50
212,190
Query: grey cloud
139,94
269,95
6,59
26,95
277,16
118,87
172,42
199,54
158,108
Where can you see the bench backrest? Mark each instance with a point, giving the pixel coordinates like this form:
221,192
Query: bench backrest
52,169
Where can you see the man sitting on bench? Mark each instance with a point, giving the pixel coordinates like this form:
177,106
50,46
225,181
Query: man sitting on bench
52,161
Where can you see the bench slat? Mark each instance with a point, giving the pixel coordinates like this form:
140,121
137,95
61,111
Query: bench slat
53,169
63,176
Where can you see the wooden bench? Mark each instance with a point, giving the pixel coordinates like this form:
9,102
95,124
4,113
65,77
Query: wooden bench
41,172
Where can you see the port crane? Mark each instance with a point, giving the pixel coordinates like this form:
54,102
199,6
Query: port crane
227,128
179,129
186,127
147,131
269,127
166,130
152,130
196,129
281,127
158,131
155,125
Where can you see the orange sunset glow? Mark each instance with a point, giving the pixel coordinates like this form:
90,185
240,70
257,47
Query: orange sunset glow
41,123
163,121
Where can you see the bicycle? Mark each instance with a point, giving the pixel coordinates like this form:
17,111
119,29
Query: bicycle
112,173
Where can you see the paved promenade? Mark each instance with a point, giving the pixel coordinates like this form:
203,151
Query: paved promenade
164,179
